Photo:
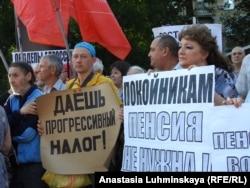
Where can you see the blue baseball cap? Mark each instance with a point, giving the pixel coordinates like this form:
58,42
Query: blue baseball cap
87,46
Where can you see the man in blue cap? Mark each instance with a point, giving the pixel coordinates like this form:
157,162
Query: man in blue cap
83,58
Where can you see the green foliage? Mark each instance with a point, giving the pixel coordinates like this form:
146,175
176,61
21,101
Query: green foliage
138,17
236,26
7,39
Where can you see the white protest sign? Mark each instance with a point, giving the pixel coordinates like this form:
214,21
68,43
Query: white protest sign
230,135
172,125
216,30
33,57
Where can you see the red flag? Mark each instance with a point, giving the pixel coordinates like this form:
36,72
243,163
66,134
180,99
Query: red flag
40,19
97,23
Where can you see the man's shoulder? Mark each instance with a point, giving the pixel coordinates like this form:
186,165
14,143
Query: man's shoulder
101,78
71,80
70,83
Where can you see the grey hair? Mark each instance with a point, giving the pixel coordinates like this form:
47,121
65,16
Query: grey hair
98,66
54,60
136,67
170,42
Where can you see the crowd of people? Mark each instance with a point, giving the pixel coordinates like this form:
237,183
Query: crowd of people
21,128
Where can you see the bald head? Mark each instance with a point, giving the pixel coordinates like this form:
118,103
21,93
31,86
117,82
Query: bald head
163,53
237,55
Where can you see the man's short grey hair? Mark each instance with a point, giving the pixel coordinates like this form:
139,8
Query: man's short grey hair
136,67
98,66
54,60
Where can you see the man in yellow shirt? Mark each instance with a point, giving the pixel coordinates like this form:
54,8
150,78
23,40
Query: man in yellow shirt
83,58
